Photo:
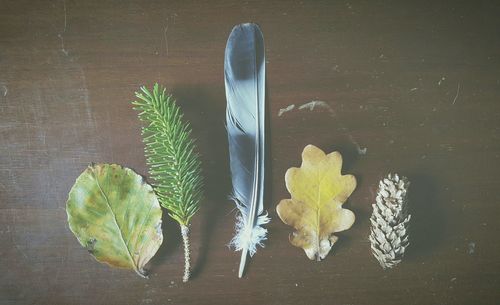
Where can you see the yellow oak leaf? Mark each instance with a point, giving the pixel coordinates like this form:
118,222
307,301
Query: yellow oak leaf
315,210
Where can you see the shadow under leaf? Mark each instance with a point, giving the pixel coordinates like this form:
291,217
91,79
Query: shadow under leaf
171,239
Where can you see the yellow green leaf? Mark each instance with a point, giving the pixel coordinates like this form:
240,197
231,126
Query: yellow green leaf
315,210
116,216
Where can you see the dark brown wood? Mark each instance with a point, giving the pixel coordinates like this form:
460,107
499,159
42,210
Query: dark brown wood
411,88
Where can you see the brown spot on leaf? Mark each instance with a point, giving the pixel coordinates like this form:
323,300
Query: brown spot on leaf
90,245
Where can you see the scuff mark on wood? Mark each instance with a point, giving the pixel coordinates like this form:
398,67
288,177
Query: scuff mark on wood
308,106
5,90
286,109
471,248
359,149
316,104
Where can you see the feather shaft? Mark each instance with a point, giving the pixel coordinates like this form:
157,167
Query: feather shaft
244,71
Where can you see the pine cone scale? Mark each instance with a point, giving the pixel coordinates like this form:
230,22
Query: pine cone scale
390,221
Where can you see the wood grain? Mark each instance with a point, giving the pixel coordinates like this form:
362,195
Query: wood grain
408,87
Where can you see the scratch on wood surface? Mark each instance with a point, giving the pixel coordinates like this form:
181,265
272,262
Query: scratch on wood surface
166,38
63,259
65,17
39,112
165,30
61,35
20,251
14,243
456,96
42,137
86,99
26,122
63,49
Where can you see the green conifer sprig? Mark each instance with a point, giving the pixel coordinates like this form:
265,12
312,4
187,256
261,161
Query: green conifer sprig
173,163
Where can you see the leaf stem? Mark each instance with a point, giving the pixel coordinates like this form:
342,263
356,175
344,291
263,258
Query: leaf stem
142,273
187,253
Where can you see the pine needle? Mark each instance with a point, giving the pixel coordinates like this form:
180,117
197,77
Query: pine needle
174,165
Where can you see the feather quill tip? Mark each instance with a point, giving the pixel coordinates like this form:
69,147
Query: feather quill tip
247,238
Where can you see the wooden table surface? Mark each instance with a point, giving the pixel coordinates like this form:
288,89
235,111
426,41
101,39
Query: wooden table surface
411,88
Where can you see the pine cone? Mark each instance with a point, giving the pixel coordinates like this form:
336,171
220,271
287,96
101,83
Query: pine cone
390,221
